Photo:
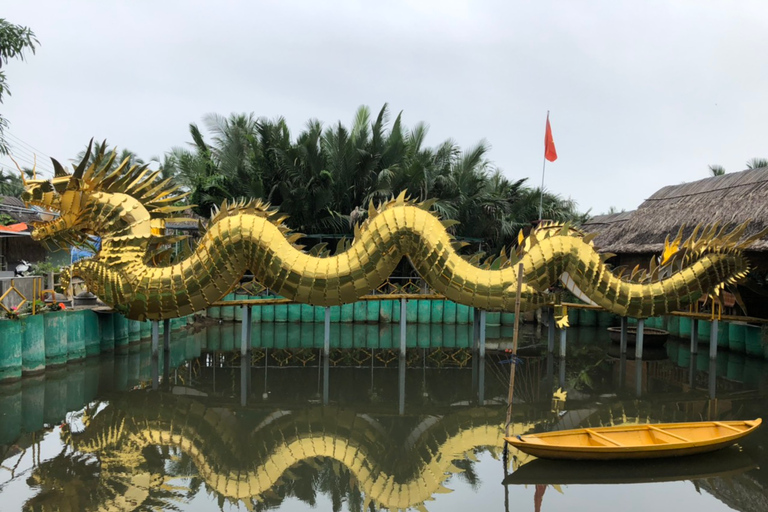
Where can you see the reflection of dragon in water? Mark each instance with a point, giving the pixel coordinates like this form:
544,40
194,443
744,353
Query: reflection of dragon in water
246,464
128,207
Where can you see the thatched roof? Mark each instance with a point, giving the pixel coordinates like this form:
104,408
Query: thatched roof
730,199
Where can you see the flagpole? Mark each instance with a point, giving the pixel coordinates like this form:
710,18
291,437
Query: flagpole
541,191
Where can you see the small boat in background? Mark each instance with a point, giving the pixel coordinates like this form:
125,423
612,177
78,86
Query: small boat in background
651,337
635,441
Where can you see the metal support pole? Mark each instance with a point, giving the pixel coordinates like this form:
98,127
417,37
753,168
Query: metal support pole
402,327
623,338
155,338
327,332
245,342
482,333
245,367
326,380
639,339
713,339
694,336
550,330
167,335
562,343
481,381
562,373
475,328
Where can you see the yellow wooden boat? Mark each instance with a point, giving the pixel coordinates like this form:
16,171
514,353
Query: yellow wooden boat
635,441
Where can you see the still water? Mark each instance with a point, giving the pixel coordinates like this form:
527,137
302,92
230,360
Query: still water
365,429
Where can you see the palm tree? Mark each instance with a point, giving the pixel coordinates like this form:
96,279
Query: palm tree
717,170
757,163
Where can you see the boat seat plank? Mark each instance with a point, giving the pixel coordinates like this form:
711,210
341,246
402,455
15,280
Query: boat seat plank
602,437
725,425
667,432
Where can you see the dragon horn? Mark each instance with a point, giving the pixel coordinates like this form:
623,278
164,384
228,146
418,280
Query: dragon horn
23,179
58,168
81,166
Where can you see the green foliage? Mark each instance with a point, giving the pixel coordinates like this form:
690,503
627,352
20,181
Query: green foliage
43,268
324,178
6,220
14,40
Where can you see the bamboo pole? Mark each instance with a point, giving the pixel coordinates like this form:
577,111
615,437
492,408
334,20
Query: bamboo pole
514,346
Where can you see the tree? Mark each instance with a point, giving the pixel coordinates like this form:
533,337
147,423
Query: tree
716,170
757,163
14,40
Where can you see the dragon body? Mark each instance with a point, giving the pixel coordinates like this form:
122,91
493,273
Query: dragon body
128,208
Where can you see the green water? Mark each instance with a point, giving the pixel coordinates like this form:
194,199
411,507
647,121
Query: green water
365,429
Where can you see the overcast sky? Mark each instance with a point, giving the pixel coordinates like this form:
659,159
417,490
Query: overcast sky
642,94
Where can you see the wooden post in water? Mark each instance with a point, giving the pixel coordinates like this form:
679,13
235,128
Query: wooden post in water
513,357
563,333
639,339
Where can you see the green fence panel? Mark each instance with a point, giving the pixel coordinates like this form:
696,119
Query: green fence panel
606,318
462,314
107,331
735,370
307,313
10,354
705,327
55,338
335,314
386,337
684,327
293,334
268,313
228,337
360,311
228,312
294,313
75,335
573,317
588,317
372,307
673,325
411,311
395,311
493,318
449,335
507,318
239,309
121,329
372,336
753,340
134,330
449,312
10,411
32,402
318,313
281,313
213,337
737,337
437,315
347,313
437,334
385,311
33,344
214,312
424,311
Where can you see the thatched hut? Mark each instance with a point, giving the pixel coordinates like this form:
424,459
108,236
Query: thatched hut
729,200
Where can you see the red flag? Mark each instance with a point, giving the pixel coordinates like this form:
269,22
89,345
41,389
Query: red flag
550,153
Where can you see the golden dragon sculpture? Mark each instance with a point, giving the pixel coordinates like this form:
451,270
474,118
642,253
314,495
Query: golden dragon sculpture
128,207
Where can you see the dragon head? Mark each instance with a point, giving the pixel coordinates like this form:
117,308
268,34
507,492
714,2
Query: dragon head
101,198
61,199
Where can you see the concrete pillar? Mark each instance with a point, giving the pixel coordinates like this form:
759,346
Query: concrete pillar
327,331
713,339
639,339
481,337
624,335
245,341
562,343
402,326
155,338
694,337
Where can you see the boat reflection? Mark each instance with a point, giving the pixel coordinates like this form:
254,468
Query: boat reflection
723,464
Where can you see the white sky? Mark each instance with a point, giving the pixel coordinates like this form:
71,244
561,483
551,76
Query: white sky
642,94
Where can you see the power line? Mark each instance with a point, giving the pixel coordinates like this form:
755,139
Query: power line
30,146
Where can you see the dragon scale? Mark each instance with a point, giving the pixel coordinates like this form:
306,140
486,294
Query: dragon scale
128,208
